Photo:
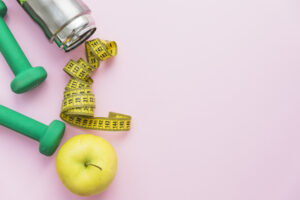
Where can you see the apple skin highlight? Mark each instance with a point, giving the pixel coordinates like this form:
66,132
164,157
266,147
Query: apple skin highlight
86,164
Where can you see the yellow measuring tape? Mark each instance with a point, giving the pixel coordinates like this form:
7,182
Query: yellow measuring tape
79,101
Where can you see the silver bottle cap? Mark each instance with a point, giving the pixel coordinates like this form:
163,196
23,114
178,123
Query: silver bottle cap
67,22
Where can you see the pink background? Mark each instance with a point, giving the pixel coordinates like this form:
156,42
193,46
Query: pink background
213,88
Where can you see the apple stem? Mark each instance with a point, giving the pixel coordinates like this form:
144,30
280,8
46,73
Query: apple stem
87,164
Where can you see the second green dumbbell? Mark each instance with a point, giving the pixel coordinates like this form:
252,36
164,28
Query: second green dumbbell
48,136
27,77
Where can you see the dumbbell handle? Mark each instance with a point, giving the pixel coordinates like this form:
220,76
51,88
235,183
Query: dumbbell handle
17,61
21,123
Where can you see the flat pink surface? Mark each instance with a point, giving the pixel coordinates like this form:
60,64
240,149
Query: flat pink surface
213,88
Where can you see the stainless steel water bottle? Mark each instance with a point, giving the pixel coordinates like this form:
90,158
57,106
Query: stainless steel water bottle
67,22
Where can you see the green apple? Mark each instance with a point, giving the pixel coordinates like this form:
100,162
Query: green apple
86,164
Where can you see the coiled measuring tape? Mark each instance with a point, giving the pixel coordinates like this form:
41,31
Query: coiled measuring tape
79,101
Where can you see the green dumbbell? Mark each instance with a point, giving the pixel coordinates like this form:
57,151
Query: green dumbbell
48,136
27,77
